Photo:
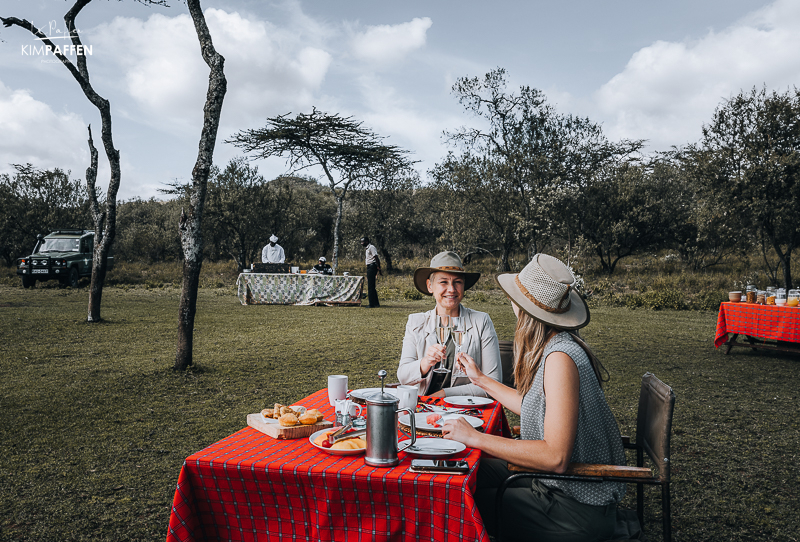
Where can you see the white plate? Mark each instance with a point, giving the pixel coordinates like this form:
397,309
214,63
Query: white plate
468,401
422,424
275,420
364,392
435,447
331,450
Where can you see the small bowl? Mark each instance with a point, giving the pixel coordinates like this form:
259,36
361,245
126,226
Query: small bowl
780,302
735,297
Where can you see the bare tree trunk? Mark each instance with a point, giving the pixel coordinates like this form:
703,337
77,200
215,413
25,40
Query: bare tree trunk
105,221
190,225
336,223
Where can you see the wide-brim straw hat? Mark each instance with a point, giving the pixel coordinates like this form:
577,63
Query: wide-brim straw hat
449,262
545,290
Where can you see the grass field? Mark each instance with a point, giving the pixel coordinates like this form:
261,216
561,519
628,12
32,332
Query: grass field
95,425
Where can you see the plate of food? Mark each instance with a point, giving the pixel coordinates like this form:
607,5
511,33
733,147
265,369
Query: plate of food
350,446
468,401
432,421
434,447
363,393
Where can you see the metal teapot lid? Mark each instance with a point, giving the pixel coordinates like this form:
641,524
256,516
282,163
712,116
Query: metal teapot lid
381,397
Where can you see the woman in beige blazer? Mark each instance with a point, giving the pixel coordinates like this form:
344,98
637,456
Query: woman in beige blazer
447,281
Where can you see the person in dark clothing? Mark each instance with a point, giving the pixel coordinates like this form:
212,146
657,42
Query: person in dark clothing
323,268
373,270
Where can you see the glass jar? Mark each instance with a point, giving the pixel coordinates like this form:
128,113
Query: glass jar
761,297
793,298
780,297
751,292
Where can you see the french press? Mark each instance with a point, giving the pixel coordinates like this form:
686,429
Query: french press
382,411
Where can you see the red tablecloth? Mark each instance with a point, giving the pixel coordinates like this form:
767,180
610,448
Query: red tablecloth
250,486
763,321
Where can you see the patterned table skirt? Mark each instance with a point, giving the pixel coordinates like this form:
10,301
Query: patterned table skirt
287,289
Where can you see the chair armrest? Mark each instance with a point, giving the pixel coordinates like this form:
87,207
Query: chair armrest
626,440
516,430
591,471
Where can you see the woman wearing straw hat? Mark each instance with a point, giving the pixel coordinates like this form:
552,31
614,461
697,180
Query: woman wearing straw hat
576,425
446,280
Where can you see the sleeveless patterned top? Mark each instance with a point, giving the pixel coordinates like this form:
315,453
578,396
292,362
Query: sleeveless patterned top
597,440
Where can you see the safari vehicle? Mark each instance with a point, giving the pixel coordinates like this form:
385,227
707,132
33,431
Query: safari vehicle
63,255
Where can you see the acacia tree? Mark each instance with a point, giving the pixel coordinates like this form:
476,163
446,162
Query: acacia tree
750,154
341,146
103,215
190,224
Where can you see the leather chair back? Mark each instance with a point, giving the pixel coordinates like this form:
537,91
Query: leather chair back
507,361
654,422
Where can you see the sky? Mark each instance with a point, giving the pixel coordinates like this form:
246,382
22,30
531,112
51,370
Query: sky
642,69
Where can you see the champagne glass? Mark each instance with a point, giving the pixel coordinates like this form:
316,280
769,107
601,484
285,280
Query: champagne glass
442,334
458,337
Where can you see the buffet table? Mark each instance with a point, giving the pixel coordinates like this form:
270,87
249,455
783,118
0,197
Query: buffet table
296,289
250,486
757,323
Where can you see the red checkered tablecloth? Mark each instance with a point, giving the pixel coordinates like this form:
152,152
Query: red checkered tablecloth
763,321
250,486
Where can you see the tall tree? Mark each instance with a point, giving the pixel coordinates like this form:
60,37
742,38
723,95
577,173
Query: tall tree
103,215
750,152
190,224
340,146
384,208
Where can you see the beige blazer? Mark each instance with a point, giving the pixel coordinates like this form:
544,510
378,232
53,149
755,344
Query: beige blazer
480,343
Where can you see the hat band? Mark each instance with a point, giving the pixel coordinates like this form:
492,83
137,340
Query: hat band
542,305
449,268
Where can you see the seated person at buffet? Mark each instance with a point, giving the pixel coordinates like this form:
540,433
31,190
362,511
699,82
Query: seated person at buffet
447,281
273,252
564,414
322,268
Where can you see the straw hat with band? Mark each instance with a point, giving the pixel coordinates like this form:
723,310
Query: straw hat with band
545,290
449,262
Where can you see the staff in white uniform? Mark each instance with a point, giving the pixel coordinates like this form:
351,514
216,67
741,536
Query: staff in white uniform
273,252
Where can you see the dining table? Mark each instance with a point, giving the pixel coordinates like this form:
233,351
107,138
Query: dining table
756,324
298,289
250,486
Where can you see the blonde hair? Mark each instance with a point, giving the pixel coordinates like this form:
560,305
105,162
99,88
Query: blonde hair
530,339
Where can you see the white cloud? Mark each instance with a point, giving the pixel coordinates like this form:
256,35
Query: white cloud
267,68
386,43
34,133
669,90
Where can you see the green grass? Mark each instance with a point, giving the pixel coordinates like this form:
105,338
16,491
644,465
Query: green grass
94,424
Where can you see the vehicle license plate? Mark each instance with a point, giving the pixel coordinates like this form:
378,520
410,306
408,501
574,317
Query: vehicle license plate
39,271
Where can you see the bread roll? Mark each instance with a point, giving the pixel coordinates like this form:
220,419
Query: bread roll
288,420
308,419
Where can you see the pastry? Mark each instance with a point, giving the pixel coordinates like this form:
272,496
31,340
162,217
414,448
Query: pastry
316,413
268,412
308,419
288,420
349,444
287,410
277,410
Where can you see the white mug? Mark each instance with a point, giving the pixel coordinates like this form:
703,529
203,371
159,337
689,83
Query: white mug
337,388
408,396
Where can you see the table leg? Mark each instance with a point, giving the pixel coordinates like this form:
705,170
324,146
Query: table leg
730,343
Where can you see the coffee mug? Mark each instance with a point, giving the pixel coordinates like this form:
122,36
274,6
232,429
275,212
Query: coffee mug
337,388
408,396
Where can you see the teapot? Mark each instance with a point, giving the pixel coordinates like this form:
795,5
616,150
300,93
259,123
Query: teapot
382,411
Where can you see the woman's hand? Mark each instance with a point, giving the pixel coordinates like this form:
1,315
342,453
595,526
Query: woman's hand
460,430
469,367
433,355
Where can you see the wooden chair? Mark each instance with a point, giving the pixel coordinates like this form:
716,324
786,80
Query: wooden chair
653,430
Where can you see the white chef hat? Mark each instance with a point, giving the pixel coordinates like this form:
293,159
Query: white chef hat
322,259
273,238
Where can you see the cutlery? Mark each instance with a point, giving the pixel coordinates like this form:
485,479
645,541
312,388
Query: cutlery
432,450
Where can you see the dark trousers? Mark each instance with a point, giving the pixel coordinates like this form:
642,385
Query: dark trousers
372,294
537,513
